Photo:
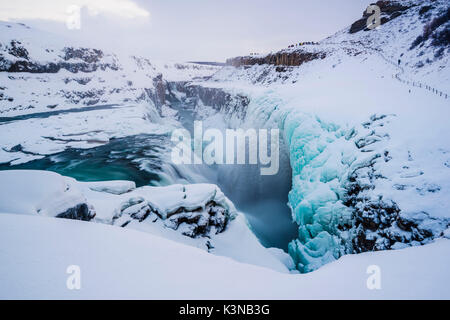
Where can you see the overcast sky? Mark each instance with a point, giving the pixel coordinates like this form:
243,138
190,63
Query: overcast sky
185,30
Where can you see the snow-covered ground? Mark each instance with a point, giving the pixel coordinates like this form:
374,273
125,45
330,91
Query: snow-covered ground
124,263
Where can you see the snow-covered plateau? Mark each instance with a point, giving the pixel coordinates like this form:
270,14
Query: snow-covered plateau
364,175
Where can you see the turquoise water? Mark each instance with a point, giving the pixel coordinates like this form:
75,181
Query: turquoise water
135,158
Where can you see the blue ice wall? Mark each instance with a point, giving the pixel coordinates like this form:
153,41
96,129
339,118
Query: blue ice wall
321,155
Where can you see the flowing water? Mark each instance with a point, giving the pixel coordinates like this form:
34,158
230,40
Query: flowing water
145,160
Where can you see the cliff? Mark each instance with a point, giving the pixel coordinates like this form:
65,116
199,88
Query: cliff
282,58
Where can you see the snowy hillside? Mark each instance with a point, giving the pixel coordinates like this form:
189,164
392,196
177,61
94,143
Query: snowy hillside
412,31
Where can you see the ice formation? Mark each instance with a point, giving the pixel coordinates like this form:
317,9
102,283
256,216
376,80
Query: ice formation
320,158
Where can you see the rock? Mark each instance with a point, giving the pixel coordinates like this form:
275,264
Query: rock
80,212
72,59
217,98
389,10
194,211
16,49
282,58
202,222
159,97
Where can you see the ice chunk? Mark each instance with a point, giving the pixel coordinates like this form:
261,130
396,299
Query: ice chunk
114,187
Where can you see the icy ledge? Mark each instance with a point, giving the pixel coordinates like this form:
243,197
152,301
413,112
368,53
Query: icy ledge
198,215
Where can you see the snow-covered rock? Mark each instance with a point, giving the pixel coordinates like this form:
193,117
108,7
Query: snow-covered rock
194,210
198,215
42,193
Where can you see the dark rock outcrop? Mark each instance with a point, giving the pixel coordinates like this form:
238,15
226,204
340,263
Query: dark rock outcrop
217,98
159,95
17,50
389,10
79,212
72,59
85,54
282,58
203,221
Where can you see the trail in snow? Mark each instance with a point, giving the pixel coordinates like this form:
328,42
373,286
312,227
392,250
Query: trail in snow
401,70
